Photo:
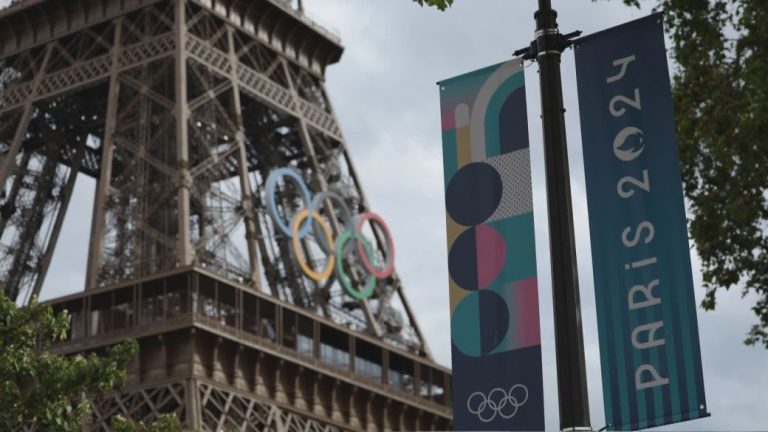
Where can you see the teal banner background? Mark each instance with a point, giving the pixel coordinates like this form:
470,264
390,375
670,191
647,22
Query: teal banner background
649,341
495,336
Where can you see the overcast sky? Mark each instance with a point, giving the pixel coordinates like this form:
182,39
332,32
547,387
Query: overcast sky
386,99
385,95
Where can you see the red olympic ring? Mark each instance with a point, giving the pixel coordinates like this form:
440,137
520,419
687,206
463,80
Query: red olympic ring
389,266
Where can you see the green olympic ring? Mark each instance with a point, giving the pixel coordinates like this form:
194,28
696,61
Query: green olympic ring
343,278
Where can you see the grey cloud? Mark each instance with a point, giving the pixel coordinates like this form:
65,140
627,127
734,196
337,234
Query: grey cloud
385,95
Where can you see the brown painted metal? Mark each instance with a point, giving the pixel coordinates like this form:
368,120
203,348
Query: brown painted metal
190,344
180,109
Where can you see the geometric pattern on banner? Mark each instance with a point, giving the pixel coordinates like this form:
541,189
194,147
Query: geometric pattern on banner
515,171
495,332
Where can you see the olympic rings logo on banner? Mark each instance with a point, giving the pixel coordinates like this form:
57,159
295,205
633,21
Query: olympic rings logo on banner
309,218
498,402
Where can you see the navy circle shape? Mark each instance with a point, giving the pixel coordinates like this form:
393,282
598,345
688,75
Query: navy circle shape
473,193
494,320
462,260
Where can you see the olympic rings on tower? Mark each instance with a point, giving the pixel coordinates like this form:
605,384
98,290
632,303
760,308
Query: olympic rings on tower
309,218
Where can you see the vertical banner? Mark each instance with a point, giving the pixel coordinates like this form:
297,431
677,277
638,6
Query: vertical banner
646,312
496,343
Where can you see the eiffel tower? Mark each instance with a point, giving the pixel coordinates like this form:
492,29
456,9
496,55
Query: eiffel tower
208,132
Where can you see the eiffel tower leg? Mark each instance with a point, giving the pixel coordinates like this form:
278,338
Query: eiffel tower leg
11,276
251,230
9,160
96,247
227,409
193,408
144,403
136,227
38,200
182,135
9,204
135,215
28,225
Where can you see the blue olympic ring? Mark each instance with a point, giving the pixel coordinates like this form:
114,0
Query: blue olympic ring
292,174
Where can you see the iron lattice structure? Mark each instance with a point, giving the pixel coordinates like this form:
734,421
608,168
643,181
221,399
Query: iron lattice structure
179,110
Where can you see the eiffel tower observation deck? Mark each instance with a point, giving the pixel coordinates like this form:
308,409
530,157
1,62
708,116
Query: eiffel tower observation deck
230,235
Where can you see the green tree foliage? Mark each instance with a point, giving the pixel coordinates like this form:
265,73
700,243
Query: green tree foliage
48,391
440,4
164,423
720,49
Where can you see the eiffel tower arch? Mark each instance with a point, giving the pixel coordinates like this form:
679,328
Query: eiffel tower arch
182,111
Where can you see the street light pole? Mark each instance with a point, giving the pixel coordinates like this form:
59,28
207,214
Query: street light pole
546,49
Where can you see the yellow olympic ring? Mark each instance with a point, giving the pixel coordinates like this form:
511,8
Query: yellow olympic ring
297,220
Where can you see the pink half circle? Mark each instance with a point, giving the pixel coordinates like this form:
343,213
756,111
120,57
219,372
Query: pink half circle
491,254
